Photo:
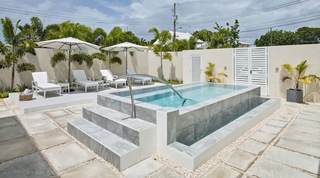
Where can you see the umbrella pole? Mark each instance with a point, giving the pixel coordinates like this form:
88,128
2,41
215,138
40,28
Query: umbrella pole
69,70
126,61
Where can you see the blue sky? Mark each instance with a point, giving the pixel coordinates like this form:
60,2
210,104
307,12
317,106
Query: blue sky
255,16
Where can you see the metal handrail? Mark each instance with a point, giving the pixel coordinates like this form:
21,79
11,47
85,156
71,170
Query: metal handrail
129,76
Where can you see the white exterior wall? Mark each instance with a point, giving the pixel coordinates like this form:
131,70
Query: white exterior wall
220,57
179,67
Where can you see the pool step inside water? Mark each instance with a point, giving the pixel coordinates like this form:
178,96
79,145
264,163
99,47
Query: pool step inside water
119,139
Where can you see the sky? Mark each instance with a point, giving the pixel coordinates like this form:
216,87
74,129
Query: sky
255,17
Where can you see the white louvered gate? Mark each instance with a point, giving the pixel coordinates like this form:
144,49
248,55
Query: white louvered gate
195,67
251,67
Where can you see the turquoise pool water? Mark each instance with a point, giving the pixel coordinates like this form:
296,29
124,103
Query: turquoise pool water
196,93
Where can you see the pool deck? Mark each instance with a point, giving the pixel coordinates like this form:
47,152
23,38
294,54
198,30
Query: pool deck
37,144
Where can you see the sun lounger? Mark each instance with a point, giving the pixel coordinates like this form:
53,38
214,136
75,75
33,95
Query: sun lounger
107,74
81,79
141,79
40,83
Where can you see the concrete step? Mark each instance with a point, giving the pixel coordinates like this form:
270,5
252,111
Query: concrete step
120,124
123,105
114,149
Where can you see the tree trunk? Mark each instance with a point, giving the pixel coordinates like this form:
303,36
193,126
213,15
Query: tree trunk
161,68
12,75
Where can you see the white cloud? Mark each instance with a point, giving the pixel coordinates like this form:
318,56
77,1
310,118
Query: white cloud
140,15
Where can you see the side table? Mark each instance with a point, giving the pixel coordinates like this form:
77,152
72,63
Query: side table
64,85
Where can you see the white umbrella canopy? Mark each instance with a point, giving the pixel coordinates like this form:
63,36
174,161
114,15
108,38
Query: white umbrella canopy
125,47
70,44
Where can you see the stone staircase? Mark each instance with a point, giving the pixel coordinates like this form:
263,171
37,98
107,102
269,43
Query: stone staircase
113,135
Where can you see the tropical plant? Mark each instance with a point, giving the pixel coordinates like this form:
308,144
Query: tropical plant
162,48
19,43
226,37
77,57
212,76
296,74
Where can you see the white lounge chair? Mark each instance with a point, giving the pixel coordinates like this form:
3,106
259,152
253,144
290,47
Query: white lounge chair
40,83
141,79
107,74
81,79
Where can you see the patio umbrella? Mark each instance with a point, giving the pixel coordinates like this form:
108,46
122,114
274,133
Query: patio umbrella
69,44
126,46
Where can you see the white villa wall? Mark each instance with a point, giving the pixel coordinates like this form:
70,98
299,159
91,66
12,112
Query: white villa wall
220,57
179,67
171,69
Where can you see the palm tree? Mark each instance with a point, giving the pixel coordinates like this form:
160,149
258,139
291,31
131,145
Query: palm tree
210,73
296,74
162,48
18,44
76,30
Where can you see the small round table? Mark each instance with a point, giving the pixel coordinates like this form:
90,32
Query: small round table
64,85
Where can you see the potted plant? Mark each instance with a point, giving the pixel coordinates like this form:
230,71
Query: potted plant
296,75
211,76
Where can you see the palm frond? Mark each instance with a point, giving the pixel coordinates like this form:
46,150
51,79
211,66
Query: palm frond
301,67
115,59
218,80
288,67
99,56
305,80
222,74
26,67
284,78
8,30
58,57
82,57
167,55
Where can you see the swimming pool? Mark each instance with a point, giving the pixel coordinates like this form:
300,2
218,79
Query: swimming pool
195,93
190,135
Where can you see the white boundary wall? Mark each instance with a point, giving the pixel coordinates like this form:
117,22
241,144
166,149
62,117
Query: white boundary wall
179,67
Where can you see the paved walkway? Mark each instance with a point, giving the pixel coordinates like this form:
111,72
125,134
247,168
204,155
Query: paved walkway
286,144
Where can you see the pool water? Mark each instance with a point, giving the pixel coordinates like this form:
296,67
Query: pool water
194,93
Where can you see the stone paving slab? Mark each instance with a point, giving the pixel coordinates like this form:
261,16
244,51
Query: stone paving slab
8,121
56,113
239,159
270,129
40,126
284,117
311,118
222,171
270,169
50,139
63,121
3,108
67,156
308,113
92,169
293,159
307,122
168,173
33,117
277,123
4,114
29,166
263,137
15,148
301,136
10,133
299,146
146,167
75,109
299,126
253,146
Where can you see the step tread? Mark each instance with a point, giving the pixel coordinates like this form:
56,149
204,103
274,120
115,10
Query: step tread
111,141
121,118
